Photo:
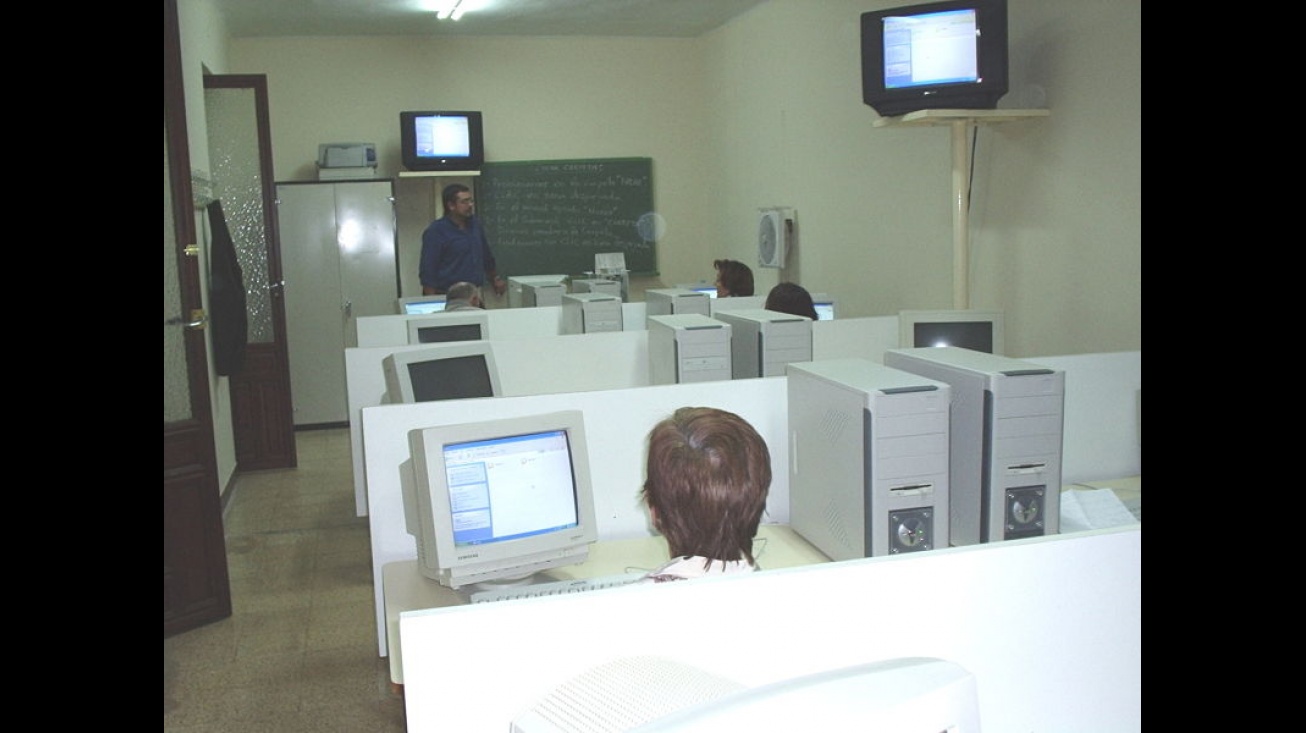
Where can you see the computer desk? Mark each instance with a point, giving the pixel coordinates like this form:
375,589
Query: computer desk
405,589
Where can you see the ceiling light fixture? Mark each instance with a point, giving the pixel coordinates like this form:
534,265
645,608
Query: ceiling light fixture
452,9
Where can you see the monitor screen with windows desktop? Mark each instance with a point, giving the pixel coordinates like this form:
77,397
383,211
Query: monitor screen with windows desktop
824,305
976,330
441,372
449,326
494,502
420,305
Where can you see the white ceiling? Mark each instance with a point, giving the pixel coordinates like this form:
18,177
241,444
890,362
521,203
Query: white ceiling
648,18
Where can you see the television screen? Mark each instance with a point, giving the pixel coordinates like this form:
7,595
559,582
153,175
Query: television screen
940,55
446,326
441,141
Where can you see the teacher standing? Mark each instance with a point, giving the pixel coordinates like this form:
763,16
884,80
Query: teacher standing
455,248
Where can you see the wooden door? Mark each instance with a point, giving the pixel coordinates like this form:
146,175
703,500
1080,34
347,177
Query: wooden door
196,589
240,159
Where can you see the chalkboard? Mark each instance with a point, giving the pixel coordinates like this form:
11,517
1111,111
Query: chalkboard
547,217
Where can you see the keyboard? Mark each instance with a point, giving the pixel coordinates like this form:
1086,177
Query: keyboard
553,588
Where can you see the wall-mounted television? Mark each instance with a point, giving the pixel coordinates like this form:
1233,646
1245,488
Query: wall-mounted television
441,141
941,55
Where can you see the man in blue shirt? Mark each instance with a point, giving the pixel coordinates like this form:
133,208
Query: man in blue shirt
454,247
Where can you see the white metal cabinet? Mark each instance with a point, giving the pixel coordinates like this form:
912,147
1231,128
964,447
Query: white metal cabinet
338,261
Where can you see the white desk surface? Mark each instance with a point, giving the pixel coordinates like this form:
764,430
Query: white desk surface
406,589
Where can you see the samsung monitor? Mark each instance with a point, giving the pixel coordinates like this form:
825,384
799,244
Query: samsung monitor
448,326
441,141
969,329
492,503
441,372
824,305
942,55
420,305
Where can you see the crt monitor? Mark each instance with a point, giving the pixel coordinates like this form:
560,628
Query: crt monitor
449,326
494,502
977,330
940,55
420,305
441,372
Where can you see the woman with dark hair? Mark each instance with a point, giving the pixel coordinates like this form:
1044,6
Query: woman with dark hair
733,278
791,298
708,476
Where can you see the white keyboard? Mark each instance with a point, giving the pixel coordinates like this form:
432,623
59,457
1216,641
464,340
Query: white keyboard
555,588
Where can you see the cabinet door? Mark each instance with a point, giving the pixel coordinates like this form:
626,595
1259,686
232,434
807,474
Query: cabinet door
369,276
315,303
338,257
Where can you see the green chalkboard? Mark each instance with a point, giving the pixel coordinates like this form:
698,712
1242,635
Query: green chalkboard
548,217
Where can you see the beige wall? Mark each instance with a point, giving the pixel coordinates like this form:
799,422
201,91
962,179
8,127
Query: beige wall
767,111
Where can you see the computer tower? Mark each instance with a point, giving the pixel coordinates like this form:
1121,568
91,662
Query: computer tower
675,302
687,348
596,285
868,458
762,342
591,313
529,291
1006,438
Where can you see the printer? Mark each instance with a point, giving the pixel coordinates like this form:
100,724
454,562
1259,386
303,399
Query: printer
346,160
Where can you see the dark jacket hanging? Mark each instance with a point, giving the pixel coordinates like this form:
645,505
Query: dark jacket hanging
228,321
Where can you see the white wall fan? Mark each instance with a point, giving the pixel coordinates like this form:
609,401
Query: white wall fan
775,230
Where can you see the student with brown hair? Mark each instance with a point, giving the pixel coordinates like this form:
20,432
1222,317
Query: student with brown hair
733,279
791,298
707,478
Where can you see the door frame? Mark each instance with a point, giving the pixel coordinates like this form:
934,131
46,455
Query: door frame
196,584
263,427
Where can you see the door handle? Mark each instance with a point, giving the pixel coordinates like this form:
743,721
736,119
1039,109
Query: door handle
198,320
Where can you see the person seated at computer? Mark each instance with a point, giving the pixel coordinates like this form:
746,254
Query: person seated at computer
733,279
791,298
707,477
463,296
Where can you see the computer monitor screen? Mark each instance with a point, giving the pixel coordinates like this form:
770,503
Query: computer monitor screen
497,501
824,306
448,326
421,305
704,288
441,372
969,329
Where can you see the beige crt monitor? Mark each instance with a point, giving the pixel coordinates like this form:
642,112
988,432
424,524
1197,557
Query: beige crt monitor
472,325
978,330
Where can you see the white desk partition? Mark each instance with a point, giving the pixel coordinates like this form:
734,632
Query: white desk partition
616,425
1101,434
1051,628
861,338
505,323
535,365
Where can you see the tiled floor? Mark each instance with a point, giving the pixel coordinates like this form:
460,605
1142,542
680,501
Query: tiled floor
299,650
